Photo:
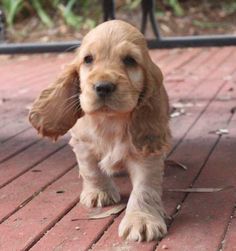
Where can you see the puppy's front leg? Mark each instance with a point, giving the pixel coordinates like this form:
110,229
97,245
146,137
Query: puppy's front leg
98,188
144,218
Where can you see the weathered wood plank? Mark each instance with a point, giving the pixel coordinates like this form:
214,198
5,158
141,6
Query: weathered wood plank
203,218
24,227
42,175
27,159
17,144
82,233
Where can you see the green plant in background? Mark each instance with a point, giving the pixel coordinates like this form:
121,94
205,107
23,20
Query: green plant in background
41,13
173,4
207,25
133,4
11,9
68,15
68,10
229,8
176,6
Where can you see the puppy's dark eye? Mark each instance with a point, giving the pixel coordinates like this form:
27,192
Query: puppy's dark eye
88,59
129,61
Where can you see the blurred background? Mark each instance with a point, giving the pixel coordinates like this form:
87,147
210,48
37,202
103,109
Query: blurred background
63,20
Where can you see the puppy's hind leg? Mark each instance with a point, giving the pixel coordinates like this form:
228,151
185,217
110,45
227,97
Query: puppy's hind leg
98,188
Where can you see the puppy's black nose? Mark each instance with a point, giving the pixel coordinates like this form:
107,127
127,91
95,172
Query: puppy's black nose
104,89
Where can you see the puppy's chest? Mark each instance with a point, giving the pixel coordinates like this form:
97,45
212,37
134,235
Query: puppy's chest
112,148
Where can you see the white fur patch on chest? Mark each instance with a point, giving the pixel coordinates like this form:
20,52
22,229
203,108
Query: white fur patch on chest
114,159
103,138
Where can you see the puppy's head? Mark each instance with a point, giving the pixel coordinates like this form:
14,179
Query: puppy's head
112,68
112,73
118,76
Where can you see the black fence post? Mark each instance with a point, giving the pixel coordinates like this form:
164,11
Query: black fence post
108,9
2,26
148,9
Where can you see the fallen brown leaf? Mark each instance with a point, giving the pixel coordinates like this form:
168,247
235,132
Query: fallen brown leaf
182,104
220,131
224,98
112,211
176,112
200,189
175,163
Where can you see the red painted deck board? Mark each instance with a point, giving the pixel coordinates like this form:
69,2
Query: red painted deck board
89,230
203,218
29,223
27,159
33,216
42,174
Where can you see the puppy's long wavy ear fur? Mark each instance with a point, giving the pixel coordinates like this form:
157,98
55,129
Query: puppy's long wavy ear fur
57,108
149,127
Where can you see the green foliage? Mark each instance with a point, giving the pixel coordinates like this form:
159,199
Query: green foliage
207,25
42,13
11,9
173,4
68,10
230,7
133,4
176,6
68,15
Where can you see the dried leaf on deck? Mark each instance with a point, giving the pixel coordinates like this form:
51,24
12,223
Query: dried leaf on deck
224,98
228,77
175,79
175,163
200,189
112,211
176,112
182,104
220,131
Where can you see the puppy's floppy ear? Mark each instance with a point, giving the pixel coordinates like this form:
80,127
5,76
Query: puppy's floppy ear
149,122
57,108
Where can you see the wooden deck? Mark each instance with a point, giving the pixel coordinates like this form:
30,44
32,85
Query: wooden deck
39,183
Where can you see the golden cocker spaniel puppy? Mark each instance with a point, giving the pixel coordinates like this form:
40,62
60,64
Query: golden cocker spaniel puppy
113,100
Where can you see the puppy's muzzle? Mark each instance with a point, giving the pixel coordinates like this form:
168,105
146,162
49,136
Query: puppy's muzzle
104,89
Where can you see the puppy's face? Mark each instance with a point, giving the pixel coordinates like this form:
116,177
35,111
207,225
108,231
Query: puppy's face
111,72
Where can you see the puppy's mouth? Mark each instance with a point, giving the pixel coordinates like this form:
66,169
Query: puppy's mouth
105,109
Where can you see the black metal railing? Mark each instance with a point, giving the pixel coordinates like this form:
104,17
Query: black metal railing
148,13
2,26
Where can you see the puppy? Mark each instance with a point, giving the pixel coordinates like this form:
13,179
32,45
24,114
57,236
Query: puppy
113,100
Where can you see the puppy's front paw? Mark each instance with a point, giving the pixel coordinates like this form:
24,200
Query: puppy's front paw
139,226
99,198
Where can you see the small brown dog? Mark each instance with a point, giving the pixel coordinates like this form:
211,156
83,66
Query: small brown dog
113,97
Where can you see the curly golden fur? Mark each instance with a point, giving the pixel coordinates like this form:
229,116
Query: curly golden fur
127,129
